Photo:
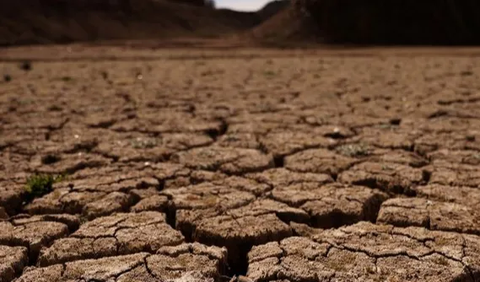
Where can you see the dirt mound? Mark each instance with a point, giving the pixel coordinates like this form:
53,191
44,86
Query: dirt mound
273,8
289,24
375,22
62,21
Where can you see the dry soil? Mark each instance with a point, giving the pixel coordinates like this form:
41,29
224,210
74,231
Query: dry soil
276,165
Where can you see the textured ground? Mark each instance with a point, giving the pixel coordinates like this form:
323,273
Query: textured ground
276,165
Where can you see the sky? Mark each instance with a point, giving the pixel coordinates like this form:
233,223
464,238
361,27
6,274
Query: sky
241,5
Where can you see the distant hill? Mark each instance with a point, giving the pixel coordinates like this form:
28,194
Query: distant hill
427,22
289,24
440,22
63,21
273,8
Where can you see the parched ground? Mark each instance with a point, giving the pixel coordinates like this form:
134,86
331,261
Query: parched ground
201,165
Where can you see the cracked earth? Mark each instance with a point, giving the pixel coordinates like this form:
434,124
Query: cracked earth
272,166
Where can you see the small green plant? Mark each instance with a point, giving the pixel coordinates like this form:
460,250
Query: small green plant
231,138
384,126
385,167
442,261
7,78
354,150
147,143
41,184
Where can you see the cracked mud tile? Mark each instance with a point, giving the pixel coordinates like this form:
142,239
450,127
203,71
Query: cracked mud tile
285,143
103,191
454,174
13,165
397,156
244,184
244,140
430,214
368,252
12,262
206,262
193,177
135,147
125,176
89,204
67,163
319,116
111,203
111,181
456,140
387,138
238,228
186,260
94,195
448,97
227,160
318,161
11,196
226,193
332,205
166,121
119,234
70,140
359,120
467,196
33,142
277,177
36,120
71,221
439,121
388,177
467,157
149,200
250,129
265,120
364,152
36,232
208,196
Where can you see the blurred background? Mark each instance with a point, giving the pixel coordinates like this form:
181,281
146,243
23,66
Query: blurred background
427,22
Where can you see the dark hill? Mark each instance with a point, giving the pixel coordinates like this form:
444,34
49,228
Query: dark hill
63,21
273,8
426,22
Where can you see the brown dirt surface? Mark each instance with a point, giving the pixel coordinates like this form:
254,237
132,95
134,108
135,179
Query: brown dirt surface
13,260
186,260
119,234
431,214
267,165
368,252
34,232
